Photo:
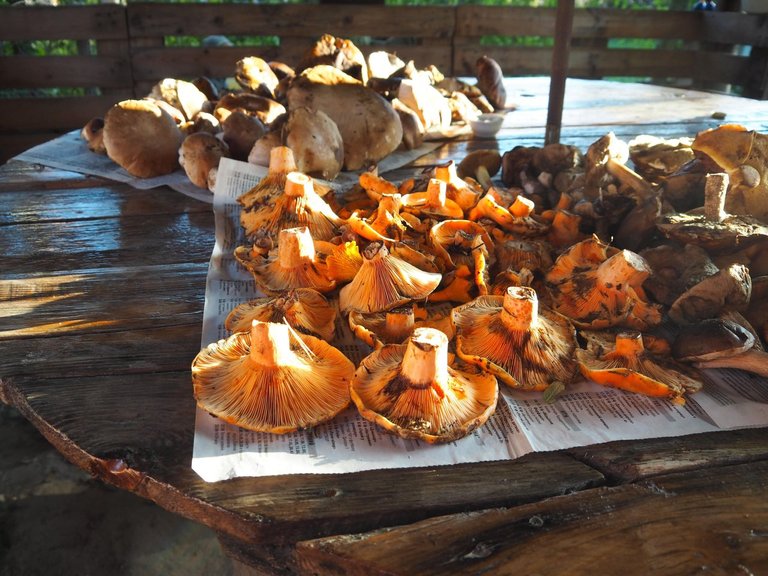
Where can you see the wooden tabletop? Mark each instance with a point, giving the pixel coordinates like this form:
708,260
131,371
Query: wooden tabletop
102,289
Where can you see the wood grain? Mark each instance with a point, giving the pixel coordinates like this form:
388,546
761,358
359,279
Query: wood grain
678,524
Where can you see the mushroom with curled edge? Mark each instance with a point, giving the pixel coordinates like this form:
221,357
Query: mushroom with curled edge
656,158
182,95
388,327
385,282
304,309
270,187
720,343
339,53
298,205
481,165
526,346
415,391
271,379
432,203
728,289
675,269
518,219
293,264
605,160
453,242
265,109
255,75
604,292
341,261
713,228
621,361
464,193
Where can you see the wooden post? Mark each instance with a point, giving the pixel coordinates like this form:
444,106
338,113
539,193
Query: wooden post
563,30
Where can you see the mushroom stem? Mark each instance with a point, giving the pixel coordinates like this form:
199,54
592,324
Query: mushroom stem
448,172
398,323
715,190
628,177
522,207
520,308
281,159
629,344
298,184
624,267
295,247
270,344
425,360
753,360
436,194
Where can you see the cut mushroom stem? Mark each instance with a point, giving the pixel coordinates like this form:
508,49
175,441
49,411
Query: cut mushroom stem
522,207
715,190
425,361
281,160
298,184
295,247
624,267
399,323
436,195
270,344
520,308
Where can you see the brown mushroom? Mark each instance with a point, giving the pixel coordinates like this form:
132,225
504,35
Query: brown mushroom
414,391
316,142
199,154
93,134
142,138
480,165
182,95
271,379
490,81
388,327
255,75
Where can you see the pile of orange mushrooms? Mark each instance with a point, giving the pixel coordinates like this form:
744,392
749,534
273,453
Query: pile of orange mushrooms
527,269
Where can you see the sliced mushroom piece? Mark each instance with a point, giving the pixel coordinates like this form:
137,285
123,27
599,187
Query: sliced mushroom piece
412,390
525,345
385,282
293,264
720,343
624,363
304,309
270,379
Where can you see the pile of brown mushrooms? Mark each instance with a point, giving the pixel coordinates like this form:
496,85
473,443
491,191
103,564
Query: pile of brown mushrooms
335,109
566,265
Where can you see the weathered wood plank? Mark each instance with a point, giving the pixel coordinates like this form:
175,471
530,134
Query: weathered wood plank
96,301
302,20
105,21
678,524
94,243
64,72
630,461
48,114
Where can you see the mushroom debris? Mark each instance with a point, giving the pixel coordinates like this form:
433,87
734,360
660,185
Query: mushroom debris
415,391
271,379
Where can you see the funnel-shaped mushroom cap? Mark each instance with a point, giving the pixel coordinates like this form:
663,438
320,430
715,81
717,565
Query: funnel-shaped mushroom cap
269,381
281,162
433,202
390,327
523,345
293,264
384,282
411,390
625,364
305,310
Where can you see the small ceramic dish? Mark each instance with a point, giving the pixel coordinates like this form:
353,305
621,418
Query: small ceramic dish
486,125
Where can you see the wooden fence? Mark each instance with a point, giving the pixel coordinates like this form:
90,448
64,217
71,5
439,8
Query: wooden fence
123,50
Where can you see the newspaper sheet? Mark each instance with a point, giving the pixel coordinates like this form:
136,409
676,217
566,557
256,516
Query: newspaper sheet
585,414
69,152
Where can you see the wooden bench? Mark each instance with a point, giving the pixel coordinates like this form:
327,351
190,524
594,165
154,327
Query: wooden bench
123,50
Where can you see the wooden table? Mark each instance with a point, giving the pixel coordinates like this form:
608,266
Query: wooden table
102,290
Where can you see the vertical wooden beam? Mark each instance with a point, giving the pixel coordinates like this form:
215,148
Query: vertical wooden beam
559,72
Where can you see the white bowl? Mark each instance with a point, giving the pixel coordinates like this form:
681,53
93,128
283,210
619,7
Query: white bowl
486,125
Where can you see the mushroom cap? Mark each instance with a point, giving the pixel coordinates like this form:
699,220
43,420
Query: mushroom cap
182,95
488,159
142,138
256,75
307,385
199,153
265,109
710,339
316,142
733,232
93,134
384,282
728,289
625,364
490,81
525,346
413,391
305,310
